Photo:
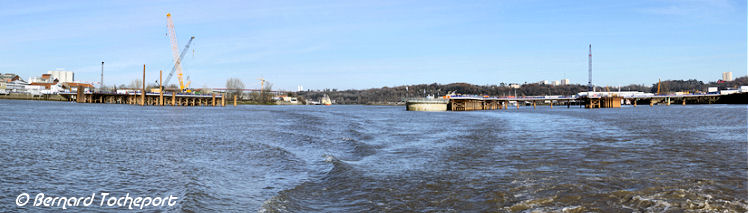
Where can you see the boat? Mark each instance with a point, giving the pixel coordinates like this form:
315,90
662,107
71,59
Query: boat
325,100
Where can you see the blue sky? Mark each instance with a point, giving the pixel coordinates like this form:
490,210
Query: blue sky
366,44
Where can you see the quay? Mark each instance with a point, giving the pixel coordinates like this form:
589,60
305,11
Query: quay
589,100
427,104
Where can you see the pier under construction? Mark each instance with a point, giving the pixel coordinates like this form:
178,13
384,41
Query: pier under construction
150,99
612,100
143,98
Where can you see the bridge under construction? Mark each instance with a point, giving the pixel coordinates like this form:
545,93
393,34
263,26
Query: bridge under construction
471,103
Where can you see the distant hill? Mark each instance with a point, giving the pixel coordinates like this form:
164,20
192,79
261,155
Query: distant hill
697,86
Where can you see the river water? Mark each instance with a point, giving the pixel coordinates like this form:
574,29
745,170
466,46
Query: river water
378,158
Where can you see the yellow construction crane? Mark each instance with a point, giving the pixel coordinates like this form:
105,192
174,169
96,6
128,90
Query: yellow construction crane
175,49
659,87
262,83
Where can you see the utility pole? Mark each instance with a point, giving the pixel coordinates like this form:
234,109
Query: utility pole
590,67
143,92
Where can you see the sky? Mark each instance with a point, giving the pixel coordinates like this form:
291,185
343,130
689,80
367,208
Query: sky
371,44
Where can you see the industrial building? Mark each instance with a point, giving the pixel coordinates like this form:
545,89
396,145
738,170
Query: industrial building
51,83
727,76
62,76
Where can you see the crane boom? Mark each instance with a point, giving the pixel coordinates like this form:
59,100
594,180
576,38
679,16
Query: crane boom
178,63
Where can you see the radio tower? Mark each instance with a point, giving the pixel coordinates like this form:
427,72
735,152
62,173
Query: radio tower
590,67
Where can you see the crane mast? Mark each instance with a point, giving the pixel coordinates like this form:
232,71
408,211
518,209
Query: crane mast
175,49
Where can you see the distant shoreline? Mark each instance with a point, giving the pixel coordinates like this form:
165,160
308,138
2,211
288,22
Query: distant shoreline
739,98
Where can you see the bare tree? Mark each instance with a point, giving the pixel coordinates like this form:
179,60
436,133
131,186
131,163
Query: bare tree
206,89
234,86
136,84
265,93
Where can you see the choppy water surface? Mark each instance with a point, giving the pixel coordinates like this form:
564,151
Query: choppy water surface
380,158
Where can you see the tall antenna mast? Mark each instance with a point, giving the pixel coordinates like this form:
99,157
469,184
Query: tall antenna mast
102,76
590,67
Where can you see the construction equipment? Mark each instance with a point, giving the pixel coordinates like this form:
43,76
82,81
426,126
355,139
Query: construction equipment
262,83
659,87
590,68
175,46
187,86
178,63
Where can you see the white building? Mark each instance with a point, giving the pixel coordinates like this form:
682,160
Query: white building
544,82
555,83
625,94
565,81
62,76
514,85
727,76
45,78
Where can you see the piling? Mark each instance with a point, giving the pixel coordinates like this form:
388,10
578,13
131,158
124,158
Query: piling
235,100
551,104
222,99
534,104
143,92
635,103
161,90
683,101
174,98
79,95
213,100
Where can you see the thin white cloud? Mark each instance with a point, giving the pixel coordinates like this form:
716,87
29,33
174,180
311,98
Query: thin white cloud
693,8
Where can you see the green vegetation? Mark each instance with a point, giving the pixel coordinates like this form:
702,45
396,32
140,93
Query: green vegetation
696,86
